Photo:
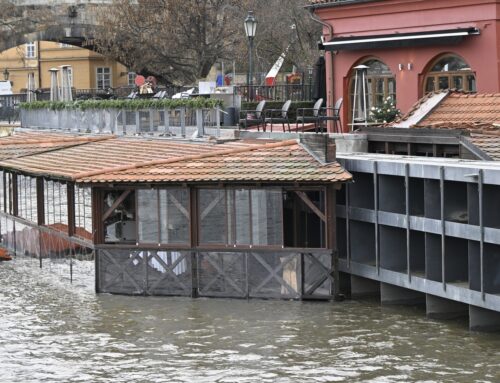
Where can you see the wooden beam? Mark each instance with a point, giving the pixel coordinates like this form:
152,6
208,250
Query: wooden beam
40,201
70,196
212,204
303,196
178,205
117,203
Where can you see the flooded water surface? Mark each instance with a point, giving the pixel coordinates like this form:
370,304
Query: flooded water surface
51,331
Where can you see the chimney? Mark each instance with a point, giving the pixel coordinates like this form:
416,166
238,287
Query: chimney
320,146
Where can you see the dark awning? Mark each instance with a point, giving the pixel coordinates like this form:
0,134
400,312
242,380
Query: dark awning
398,40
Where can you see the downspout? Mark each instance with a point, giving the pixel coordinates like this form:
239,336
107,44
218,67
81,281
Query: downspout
330,36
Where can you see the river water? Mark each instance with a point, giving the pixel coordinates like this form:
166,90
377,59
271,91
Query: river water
51,331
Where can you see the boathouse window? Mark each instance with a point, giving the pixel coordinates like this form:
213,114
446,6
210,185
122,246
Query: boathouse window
83,212
26,198
305,218
241,217
163,215
450,71
119,216
56,205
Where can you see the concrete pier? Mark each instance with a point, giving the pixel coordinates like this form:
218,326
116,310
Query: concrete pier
483,320
394,295
441,308
364,287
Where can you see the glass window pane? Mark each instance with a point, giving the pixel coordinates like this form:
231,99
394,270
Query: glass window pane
212,216
267,217
429,85
379,85
443,83
174,213
147,215
242,214
471,83
391,85
458,82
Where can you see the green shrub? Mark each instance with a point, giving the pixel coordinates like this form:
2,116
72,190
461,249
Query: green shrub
190,103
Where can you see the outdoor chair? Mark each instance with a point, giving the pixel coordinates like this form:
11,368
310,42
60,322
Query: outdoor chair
249,118
309,115
333,116
278,116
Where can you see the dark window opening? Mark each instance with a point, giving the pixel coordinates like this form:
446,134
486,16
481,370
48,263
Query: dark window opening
304,219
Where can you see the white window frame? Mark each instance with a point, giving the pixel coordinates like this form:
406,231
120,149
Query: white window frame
131,78
98,75
30,50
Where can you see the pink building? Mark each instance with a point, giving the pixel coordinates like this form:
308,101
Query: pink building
412,47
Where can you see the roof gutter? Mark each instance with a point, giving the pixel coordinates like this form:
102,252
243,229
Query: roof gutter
337,4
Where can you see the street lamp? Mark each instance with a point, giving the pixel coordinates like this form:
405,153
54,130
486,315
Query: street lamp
310,72
250,30
6,74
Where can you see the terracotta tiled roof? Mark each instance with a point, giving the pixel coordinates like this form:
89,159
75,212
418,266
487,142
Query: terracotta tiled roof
167,160
28,143
108,154
488,144
285,161
466,108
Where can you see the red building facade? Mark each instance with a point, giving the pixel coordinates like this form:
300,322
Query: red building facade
411,47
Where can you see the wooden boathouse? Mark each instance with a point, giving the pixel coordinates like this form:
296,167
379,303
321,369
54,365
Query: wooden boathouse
163,216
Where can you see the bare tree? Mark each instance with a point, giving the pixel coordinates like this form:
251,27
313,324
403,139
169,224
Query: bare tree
177,40
180,40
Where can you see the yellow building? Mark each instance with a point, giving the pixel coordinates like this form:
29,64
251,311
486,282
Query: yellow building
90,70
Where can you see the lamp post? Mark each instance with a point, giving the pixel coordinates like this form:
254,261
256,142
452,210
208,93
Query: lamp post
310,72
6,74
250,30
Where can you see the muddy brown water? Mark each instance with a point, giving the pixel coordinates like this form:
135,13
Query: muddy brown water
51,331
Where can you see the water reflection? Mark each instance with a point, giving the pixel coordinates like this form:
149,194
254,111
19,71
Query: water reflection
53,332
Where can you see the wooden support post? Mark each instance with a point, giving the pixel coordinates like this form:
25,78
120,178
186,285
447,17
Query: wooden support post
97,221
70,194
15,199
40,201
193,225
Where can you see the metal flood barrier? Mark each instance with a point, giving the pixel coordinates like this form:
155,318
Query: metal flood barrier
281,275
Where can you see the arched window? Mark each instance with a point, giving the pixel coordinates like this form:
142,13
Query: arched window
450,71
381,84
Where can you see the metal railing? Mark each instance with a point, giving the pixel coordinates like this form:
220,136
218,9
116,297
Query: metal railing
280,92
9,107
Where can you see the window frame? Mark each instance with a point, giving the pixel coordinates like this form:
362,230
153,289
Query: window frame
450,76
101,77
30,52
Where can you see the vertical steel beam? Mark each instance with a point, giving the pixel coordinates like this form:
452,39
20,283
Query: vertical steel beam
443,227
407,202
331,238
193,225
40,210
480,180
375,204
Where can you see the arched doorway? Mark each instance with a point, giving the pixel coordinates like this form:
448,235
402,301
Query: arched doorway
381,83
449,72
